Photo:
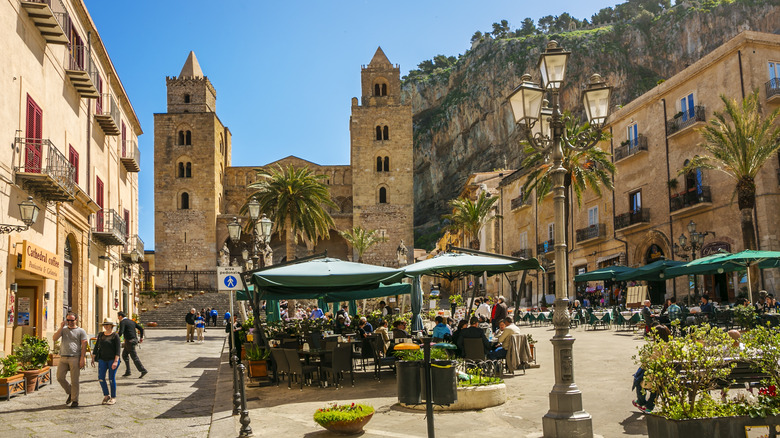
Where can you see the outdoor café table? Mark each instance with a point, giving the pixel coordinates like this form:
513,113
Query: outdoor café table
307,356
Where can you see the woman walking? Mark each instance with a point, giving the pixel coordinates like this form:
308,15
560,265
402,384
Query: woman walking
107,349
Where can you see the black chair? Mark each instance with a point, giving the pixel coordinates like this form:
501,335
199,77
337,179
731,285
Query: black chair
342,361
297,369
280,363
315,340
473,349
381,360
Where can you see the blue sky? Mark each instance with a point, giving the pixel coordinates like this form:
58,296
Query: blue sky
285,71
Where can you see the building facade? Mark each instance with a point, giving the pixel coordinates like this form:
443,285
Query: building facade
652,203
74,135
198,192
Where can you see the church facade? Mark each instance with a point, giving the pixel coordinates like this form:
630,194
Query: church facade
198,191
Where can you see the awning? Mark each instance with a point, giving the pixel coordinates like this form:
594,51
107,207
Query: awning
651,272
608,273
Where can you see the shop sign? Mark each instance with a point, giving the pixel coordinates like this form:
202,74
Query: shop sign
39,261
714,248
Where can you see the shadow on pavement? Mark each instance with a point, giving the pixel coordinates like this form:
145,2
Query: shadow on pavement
634,424
197,404
204,362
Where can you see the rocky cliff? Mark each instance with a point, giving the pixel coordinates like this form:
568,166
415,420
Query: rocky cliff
462,122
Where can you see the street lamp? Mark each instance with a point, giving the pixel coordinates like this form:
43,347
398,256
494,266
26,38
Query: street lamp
545,131
29,214
696,240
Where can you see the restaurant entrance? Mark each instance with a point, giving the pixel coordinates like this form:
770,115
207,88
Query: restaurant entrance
26,321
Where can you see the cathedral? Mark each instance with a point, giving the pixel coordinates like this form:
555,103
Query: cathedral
197,191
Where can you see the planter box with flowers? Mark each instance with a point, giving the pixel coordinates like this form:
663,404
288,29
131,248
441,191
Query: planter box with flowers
11,379
344,419
684,370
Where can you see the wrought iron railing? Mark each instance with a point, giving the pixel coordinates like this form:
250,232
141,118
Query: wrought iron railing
523,253
39,155
591,232
109,221
520,201
685,120
60,14
545,247
631,147
696,195
772,87
106,106
625,220
180,280
130,150
134,244
79,58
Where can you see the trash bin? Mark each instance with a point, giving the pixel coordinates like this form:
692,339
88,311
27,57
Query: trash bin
444,382
408,381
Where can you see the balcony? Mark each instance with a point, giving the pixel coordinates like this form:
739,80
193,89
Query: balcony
130,155
519,202
522,253
681,123
134,247
545,247
591,234
773,90
107,114
632,219
45,171
697,198
631,147
51,18
81,70
110,228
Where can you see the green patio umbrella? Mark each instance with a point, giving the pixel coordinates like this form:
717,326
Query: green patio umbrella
381,291
745,260
650,272
352,307
608,273
417,298
706,265
272,313
451,265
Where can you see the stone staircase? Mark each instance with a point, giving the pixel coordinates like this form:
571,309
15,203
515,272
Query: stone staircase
172,315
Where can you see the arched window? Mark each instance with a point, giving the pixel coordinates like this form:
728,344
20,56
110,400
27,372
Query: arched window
378,132
181,137
188,170
186,98
387,164
376,90
382,195
378,164
188,138
384,89
185,201
181,170
386,133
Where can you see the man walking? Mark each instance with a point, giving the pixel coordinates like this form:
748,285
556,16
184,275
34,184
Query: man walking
214,315
127,329
190,320
73,349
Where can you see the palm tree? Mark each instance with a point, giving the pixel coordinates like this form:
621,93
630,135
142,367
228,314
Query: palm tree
361,240
470,216
740,140
295,199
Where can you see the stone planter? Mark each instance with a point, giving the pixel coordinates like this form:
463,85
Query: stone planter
11,386
723,427
31,379
472,398
348,427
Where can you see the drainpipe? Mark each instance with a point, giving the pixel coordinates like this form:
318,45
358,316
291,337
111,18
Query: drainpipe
669,193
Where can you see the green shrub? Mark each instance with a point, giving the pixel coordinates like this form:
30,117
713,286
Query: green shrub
745,316
32,353
415,355
9,366
337,412
256,352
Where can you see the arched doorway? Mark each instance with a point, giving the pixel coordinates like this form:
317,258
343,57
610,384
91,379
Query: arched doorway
657,289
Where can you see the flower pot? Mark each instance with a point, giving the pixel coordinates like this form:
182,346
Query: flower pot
348,427
151,324
156,306
11,386
721,427
203,292
258,368
31,379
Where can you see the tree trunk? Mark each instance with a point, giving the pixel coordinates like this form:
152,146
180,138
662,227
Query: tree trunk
746,199
289,240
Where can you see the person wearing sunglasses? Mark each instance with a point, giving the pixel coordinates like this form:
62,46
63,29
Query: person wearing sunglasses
73,349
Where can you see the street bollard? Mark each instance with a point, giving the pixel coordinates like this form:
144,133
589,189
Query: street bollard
245,429
236,391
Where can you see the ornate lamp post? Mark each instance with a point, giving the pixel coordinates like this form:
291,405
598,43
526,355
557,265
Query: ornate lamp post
547,134
29,213
696,240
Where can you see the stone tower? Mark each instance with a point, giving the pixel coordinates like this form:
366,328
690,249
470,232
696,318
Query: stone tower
382,161
191,152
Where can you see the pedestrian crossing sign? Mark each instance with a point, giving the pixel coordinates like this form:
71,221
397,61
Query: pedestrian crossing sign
229,278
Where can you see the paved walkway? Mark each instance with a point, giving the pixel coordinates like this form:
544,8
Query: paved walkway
175,399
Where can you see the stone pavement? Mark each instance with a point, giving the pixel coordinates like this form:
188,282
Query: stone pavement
175,399
603,371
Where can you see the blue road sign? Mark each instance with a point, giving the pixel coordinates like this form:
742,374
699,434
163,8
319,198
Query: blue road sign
231,281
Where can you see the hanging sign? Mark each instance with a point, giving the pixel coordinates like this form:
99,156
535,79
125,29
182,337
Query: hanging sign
39,261
229,278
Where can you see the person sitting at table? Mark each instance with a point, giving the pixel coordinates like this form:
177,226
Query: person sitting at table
647,315
473,332
399,330
361,330
456,335
367,326
316,313
508,328
382,332
706,305
674,311
441,330
340,325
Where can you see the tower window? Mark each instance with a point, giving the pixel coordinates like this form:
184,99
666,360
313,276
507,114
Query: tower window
186,98
181,138
181,170
377,90
188,138
378,164
384,89
379,133
380,89
386,133
382,195
387,164
184,170
188,170
185,201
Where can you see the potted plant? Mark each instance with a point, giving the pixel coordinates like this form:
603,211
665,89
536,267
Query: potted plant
672,183
33,354
257,358
11,379
532,344
346,419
